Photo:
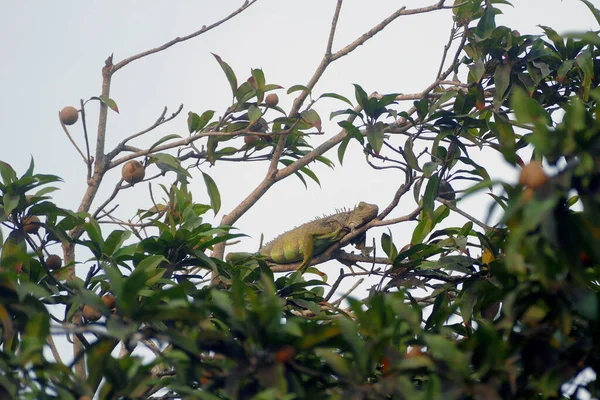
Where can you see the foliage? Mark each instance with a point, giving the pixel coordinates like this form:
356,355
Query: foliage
519,319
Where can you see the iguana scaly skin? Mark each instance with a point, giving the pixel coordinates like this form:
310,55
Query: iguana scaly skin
313,238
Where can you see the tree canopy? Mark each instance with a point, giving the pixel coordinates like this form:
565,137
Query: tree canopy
500,308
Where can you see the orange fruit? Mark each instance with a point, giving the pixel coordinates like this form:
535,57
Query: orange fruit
133,171
533,175
272,100
68,115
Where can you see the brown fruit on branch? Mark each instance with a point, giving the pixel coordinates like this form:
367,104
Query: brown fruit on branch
31,224
68,115
53,262
533,175
133,171
109,301
272,100
285,354
90,313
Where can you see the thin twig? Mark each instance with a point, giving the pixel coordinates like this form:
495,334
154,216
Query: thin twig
54,350
451,206
85,160
165,46
90,160
347,293
334,22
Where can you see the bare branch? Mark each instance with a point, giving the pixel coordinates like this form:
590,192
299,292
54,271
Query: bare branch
379,27
160,121
452,206
85,160
165,46
334,22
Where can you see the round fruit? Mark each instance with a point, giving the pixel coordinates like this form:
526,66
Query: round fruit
249,139
272,100
31,224
533,175
68,115
133,171
90,313
53,262
445,191
109,301
285,354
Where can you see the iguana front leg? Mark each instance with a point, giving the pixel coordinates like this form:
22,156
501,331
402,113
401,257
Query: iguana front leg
319,242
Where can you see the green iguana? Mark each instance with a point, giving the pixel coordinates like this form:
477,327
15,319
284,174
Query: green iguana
314,237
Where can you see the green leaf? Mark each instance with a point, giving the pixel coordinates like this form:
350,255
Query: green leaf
336,96
388,246
527,109
254,114
228,73
115,241
162,140
245,92
477,70
258,81
431,192
204,119
486,24
110,103
445,349
422,107
11,201
502,81
375,136
335,361
166,162
213,193
8,174
296,88
429,168
361,96
409,155
312,117
506,136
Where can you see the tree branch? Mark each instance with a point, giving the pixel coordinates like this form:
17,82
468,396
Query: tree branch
173,42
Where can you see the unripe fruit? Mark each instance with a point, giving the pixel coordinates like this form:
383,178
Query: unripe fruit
249,139
272,100
68,115
133,171
31,224
533,175
109,301
446,191
90,313
53,262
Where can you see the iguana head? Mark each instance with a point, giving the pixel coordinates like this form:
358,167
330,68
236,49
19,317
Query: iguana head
363,213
